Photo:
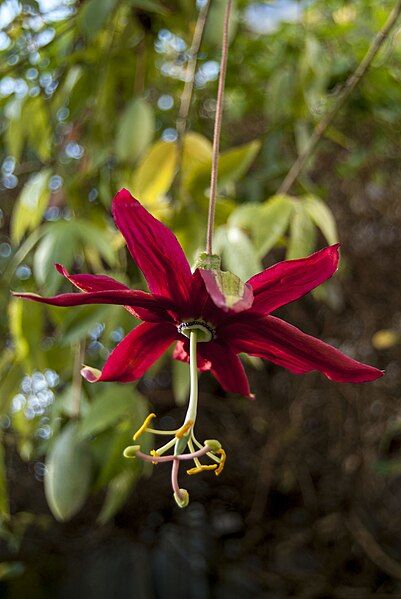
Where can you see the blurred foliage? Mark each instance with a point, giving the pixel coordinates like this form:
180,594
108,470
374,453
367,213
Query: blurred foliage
89,96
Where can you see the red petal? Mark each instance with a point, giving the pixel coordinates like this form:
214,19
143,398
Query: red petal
122,297
154,248
135,354
89,283
181,352
291,279
275,340
227,368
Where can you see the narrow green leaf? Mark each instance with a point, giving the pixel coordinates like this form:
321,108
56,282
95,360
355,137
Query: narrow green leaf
68,474
94,14
26,327
302,233
322,216
31,205
58,245
106,410
118,492
237,252
265,223
154,175
135,130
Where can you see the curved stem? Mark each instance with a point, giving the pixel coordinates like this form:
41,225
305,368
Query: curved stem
193,369
217,130
348,88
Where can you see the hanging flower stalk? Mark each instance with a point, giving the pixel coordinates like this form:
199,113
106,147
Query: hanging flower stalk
210,315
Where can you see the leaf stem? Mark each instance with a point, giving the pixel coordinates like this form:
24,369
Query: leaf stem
217,129
349,86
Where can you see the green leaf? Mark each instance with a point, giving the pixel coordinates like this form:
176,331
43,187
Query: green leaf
214,25
94,15
237,252
154,175
180,381
135,130
233,163
58,245
26,327
149,5
15,134
68,474
95,238
118,492
266,223
39,132
322,216
106,410
31,205
302,233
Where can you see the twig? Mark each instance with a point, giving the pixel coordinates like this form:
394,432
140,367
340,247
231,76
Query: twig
186,97
217,130
77,380
348,88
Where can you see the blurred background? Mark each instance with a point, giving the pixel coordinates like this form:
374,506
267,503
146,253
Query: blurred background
90,95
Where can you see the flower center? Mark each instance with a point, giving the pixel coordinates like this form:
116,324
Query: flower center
205,331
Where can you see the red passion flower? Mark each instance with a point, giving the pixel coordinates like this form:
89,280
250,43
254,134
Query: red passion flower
179,301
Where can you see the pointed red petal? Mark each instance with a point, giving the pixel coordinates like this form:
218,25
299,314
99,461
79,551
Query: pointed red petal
86,282
135,354
275,340
227,368
122,297
89,283
154,248
291,279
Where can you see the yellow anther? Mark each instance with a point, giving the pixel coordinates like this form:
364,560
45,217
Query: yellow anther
222,461
154,453
144,426
201,469
184,429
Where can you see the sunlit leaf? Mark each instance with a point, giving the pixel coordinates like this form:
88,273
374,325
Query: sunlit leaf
237,252
154,175
31,205
265,223
302,233
135,130
26,327
58,245
322,216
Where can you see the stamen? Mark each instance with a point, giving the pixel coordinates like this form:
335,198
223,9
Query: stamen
201,468
144,426
222,461
184,429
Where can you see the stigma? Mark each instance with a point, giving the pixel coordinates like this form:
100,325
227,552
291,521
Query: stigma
205,331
